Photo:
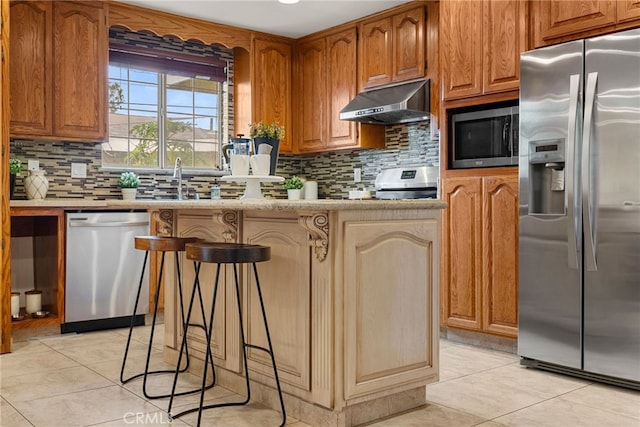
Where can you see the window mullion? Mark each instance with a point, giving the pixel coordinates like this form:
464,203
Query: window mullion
162,120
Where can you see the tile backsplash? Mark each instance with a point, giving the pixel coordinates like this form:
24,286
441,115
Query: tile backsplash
406,145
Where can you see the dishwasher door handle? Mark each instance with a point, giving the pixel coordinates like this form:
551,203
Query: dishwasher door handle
78,223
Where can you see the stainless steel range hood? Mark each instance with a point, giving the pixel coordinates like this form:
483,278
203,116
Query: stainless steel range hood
406,102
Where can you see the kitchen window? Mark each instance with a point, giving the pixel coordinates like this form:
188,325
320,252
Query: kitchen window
162,106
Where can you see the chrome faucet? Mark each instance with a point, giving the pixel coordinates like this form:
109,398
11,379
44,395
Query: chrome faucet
177,173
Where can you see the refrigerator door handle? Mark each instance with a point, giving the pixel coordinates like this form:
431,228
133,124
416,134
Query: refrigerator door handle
589,232
574,90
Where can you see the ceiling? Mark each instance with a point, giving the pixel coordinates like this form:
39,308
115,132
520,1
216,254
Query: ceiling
269,16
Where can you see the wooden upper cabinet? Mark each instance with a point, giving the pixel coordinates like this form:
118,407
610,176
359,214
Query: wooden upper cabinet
392,48
341,87
504,39
409,45
627,10
313,102
485,57
59,53
30,62
325,83
560,18
376,63
557,21
461,51
272,85
80,67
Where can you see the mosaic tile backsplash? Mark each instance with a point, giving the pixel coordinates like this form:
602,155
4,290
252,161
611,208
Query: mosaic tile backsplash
406,145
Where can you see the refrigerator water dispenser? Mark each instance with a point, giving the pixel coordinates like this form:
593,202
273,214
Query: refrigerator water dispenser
547,175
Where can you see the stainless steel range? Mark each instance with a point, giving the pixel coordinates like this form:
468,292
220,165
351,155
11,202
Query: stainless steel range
415,182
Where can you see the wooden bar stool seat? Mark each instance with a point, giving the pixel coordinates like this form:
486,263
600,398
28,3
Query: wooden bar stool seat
227,253
163,245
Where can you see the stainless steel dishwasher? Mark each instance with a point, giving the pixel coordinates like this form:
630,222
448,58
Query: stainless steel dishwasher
103,270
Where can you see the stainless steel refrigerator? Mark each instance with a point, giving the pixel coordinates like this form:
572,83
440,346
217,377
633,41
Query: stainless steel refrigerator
579,243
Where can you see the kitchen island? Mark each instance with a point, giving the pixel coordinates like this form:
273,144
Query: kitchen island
351,293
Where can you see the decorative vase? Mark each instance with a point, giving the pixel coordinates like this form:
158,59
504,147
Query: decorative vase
129,193
12,180
275,148
294,194
36,184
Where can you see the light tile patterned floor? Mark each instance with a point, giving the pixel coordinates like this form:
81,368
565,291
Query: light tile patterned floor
73,380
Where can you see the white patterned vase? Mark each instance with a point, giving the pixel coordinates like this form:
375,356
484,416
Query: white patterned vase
36,184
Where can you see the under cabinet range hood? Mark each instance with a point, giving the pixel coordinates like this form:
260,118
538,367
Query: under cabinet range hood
402,103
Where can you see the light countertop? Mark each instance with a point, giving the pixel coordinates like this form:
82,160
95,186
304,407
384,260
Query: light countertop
231,204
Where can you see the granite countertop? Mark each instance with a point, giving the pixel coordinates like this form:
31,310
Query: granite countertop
232,204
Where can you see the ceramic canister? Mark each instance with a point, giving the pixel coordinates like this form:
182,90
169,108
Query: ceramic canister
15,303
34,301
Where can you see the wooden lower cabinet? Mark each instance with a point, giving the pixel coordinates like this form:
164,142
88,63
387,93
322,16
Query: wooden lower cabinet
38,262
480,254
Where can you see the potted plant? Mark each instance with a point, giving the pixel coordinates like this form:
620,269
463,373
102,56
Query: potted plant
129,183
293,186
15,167
267,135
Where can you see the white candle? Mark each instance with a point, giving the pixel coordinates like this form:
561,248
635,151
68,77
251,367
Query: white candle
15,303
34,301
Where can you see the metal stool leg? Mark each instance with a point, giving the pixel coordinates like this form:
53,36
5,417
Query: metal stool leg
147,372
200,408
133,316
270,351
183,345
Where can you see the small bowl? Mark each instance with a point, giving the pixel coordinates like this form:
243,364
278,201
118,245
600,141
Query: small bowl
17,317
39,314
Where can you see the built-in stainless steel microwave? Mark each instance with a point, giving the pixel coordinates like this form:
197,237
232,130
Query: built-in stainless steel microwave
484,138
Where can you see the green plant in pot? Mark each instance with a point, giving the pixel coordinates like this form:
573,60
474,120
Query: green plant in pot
15,167
129,183
293,186
266,140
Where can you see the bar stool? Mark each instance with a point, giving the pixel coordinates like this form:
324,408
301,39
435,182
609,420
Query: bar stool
227,253
164,245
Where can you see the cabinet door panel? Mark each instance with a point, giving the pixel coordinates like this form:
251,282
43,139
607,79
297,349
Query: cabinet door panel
30,65
461,285
376,62
80,51
627,10
560,18
313,75
225,343
272,86
461,50
504,38
286,289
500,255
408,45
381,305
342,86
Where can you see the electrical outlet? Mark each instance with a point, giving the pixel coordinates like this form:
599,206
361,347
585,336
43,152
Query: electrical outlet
33,165
78,170
357,174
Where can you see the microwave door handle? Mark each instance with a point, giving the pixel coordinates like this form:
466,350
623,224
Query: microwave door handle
505,135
